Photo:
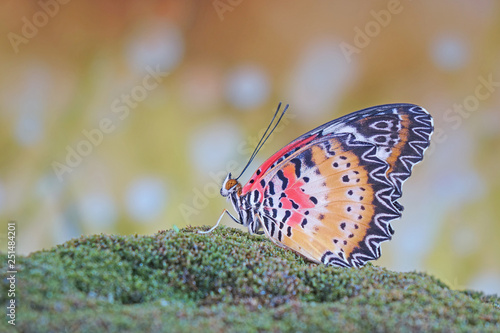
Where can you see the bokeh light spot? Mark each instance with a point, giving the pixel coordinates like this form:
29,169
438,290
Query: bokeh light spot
247,87
146,199
449,52
155,44
29,127
98,210
212,146
321,76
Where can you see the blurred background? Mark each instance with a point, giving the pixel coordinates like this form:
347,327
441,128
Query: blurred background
124,116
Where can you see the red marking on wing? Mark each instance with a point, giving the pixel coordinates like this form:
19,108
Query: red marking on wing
264,168
299,197
293,192
294,220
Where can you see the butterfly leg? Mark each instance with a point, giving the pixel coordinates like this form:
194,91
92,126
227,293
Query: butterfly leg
225,211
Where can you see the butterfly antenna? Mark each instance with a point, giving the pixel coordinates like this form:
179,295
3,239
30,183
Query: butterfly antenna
265,136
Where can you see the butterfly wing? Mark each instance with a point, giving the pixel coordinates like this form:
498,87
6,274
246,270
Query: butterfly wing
401,133
330,194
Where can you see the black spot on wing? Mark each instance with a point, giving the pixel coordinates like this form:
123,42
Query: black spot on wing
271,188
256,196
284,180
298,165
307,158
287,215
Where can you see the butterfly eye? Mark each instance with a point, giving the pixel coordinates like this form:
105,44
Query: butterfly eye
231,183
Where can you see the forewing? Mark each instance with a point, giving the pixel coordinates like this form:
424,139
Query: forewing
400,132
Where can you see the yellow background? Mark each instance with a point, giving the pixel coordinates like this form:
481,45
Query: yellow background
92,142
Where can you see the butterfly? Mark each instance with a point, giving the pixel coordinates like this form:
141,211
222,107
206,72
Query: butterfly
330,195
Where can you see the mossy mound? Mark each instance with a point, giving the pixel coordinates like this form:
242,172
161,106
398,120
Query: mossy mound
227,281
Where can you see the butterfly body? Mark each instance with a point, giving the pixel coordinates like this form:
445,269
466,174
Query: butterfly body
330,194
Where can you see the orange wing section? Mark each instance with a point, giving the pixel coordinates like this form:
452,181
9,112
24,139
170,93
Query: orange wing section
324,202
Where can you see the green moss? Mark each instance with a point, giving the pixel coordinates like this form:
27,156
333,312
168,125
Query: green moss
181,281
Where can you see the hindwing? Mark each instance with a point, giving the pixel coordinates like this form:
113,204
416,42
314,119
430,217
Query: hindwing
331,202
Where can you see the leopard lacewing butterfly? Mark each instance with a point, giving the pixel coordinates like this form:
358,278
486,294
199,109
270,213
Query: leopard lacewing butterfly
331,194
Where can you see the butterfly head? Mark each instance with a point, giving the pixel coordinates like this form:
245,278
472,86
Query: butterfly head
230,186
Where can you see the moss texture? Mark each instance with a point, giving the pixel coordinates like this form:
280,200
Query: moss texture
181,281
